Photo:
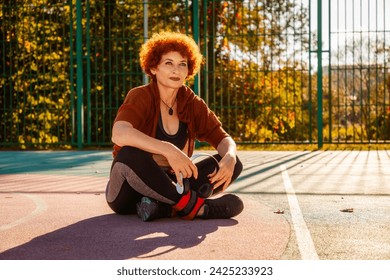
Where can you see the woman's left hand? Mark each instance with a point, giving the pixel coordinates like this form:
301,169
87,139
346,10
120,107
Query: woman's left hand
224,175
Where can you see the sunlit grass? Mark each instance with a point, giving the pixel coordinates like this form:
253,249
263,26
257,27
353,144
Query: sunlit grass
314,147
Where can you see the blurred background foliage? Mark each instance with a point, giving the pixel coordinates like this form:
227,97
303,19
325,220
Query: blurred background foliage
258,74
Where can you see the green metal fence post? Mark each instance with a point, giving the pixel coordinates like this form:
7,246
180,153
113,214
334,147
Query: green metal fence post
319,75
146,33
71,74
195,20
79,72
205,50
88,78
195,28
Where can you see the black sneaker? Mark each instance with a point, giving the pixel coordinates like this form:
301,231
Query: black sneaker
150,209
223,207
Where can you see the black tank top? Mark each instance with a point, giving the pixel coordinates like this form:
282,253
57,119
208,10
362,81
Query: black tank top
179,139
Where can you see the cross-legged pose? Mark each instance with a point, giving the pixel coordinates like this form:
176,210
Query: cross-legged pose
154,133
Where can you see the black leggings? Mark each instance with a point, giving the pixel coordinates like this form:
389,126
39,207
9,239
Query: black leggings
135,174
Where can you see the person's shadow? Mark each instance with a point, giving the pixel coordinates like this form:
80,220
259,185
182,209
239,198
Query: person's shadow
115,237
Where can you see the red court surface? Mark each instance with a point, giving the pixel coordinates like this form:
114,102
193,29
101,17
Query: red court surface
54,210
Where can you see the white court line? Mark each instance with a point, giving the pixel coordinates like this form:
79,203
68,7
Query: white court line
40,207
305,242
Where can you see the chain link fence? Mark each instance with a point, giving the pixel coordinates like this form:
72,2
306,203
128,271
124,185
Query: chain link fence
275,72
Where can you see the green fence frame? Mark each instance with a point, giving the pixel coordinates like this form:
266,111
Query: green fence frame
275,72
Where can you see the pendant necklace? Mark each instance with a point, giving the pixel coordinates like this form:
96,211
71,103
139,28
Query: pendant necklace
170,110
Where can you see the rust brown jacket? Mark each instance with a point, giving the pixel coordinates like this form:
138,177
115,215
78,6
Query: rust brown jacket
141,108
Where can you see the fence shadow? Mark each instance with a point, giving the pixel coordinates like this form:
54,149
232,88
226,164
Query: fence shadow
17,162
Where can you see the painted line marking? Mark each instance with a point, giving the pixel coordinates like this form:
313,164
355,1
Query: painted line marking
40,207
305,242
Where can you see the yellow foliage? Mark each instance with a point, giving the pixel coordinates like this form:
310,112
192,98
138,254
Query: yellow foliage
33,67
31,100
66,9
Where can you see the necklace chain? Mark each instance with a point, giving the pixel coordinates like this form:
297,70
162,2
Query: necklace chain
170,110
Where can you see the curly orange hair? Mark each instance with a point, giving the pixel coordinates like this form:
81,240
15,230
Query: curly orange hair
165,42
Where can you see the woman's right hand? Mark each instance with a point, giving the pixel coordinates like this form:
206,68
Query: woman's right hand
124,134
180,163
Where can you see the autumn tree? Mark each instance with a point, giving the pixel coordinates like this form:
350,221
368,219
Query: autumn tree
255,77
35,82
358,94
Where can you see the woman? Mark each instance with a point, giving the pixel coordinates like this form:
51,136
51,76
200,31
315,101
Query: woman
154,134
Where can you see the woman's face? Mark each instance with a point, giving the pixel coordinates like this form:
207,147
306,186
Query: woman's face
172,70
